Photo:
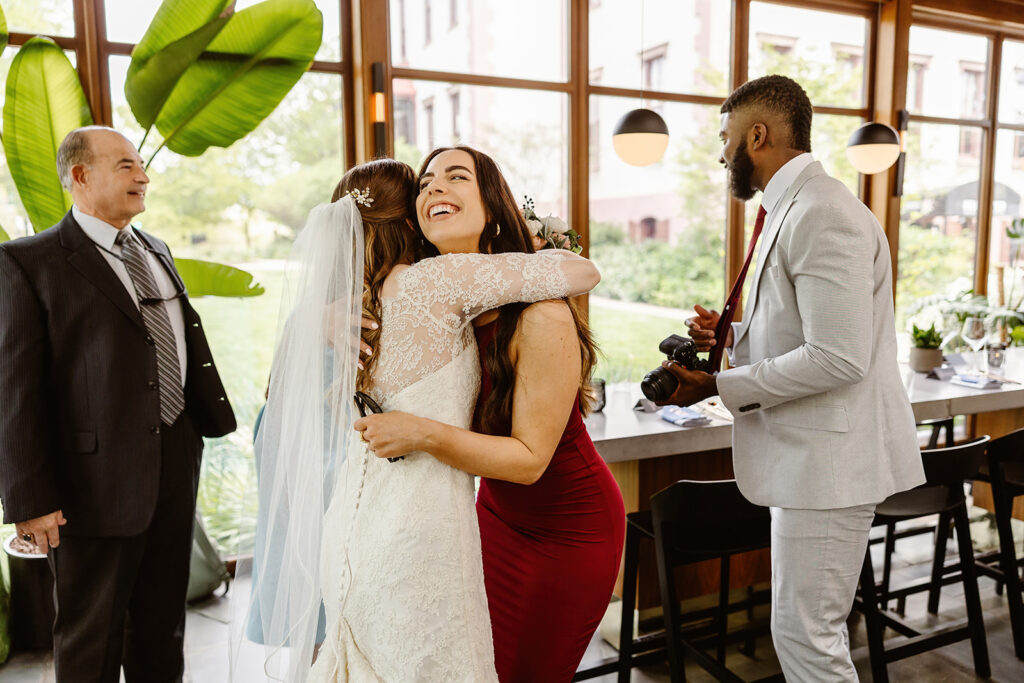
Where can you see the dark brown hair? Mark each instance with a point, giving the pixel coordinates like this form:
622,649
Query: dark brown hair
388,238
500,209
778,95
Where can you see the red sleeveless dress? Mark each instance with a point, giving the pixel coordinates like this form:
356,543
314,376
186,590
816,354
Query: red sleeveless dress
551,554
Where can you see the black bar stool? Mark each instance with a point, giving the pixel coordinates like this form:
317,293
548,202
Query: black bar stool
1004,471
702,520
941,529
946,470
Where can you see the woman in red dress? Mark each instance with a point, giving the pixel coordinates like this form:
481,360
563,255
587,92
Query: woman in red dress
551,516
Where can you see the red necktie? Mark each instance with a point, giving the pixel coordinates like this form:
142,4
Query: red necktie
729,310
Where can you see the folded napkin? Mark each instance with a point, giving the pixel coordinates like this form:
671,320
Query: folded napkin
683,417
977,381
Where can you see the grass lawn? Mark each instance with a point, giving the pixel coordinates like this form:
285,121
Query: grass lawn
629,336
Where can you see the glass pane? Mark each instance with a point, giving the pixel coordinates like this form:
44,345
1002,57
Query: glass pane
1011,84
947,74
938,216
127,21
1006,275
827,61
829,134
47,17
525,131
657,233
242,205
524,39
683,46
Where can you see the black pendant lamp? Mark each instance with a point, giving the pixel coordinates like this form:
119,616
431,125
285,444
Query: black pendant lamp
640,137
873,148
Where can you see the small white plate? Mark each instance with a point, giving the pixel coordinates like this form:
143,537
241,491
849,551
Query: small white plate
17,553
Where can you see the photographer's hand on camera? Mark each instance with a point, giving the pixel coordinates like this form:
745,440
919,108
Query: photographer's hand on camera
694,385
702,328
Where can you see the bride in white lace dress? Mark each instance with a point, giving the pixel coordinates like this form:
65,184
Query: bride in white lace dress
399,569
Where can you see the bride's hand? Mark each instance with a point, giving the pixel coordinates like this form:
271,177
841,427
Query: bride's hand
365,348
332,335
390,435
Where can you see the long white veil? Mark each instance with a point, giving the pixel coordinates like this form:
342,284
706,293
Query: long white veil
300,447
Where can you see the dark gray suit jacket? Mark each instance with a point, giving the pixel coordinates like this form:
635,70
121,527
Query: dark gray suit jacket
79,403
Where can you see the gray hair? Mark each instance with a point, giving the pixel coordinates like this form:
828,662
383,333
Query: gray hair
75,151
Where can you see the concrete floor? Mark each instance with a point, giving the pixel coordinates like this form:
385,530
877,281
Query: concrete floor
208,634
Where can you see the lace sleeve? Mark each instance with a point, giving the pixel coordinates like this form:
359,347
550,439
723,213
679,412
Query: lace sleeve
459,287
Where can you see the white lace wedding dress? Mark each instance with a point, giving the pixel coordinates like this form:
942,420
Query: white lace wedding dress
400,564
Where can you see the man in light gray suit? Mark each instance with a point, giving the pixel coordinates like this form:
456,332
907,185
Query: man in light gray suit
823,428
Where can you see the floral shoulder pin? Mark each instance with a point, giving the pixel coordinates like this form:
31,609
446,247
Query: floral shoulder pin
551,230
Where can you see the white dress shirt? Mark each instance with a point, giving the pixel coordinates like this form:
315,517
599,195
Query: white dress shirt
104,235
780,182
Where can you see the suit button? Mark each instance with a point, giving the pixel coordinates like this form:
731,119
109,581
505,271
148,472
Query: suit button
155,431
153,385
150,340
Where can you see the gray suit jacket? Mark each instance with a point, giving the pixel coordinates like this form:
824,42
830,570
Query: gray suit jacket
822,419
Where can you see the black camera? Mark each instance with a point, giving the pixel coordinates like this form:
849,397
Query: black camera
659,383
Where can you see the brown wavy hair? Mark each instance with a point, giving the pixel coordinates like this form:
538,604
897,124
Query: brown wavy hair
500,209
389,240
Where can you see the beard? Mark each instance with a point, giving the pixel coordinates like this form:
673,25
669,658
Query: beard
741,172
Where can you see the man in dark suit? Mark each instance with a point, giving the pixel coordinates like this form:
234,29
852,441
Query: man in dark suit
108,387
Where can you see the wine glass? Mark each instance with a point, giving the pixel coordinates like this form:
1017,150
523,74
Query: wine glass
974,333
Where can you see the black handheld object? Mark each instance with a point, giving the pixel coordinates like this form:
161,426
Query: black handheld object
364,403
659,383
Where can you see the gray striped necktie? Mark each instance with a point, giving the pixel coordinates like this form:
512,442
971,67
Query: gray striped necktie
158,324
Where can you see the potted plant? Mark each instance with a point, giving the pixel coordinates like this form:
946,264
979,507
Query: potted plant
926,353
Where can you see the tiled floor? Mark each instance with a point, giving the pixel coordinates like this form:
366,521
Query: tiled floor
208,635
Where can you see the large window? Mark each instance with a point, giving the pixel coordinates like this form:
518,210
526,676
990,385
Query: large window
939,213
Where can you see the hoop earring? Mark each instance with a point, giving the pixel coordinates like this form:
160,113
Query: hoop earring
497,229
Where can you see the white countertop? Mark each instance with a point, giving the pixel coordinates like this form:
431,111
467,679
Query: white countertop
622,434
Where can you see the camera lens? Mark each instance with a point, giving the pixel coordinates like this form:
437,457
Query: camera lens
658,384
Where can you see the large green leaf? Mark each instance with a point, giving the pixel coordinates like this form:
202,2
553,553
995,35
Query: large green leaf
44,103
176,37
3,235
244,74
204,278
